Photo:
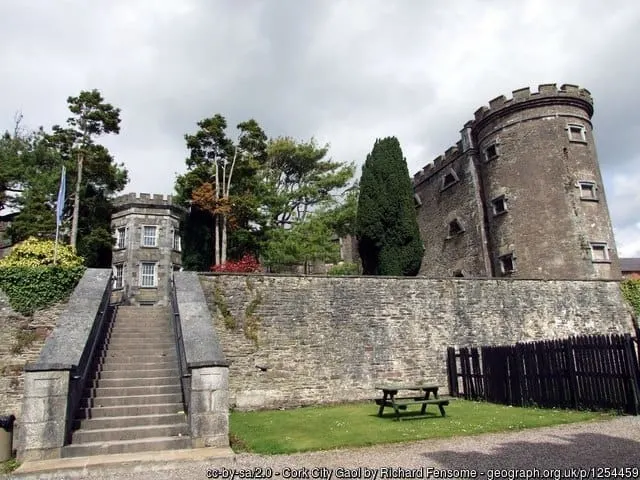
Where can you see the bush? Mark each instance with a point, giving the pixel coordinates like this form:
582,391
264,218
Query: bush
31,280
631,292
344,269
247,264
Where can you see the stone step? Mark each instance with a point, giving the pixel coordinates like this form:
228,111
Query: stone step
130,446
101,392
160,372
129,433
125,400
142,348
134,382
142,321
137,332
132,421
122,356
140,341
109,366
129,410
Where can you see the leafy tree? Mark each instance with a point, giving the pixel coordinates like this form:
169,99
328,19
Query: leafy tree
38,158
221,182
386,226
92,117
298,179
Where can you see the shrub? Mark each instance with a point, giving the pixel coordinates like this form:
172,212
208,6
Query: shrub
247,264
346,268
31,280
631,292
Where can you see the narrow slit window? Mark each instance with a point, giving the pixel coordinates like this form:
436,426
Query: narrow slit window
507,264
499,205
455,228
491,152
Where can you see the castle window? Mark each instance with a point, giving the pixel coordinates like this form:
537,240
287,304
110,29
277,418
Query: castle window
148,274
149,236
417,201
599,252
455,228
491,152
577,133
507,264
118,276
588,191
121,238
449,178
499,205
458,273
177,241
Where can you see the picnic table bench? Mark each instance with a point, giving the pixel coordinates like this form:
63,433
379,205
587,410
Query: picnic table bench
390,398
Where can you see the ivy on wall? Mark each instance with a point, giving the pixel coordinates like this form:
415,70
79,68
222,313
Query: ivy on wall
32,280
631,292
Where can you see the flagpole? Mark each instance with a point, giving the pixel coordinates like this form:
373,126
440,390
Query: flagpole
59,210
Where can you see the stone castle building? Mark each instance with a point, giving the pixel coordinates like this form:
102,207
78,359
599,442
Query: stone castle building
148,247
520,194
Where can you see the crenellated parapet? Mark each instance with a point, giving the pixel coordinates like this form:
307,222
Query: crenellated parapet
546,92
144,199
440,161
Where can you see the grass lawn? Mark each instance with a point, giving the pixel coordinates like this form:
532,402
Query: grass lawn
354,425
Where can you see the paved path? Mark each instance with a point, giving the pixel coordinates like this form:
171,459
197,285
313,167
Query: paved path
614,443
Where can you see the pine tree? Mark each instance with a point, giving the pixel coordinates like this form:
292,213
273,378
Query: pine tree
386,225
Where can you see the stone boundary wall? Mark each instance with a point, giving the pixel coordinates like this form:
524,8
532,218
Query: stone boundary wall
297,340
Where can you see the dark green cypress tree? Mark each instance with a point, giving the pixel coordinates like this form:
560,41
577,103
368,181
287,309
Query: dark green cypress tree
386,225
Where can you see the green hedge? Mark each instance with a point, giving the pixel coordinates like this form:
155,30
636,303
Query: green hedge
344,269
631,292
33,288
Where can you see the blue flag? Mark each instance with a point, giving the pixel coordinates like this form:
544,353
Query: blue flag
61,196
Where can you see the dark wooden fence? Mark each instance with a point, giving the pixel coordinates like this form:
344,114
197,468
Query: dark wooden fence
580,372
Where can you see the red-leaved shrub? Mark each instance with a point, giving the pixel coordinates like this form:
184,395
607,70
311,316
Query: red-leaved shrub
246,264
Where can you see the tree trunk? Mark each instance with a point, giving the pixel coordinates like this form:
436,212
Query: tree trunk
76,203
223,254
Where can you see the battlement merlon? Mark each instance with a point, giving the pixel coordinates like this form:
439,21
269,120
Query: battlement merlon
545,91
440,161
144,199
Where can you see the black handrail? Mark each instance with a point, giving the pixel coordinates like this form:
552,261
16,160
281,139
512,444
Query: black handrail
81,373
185,372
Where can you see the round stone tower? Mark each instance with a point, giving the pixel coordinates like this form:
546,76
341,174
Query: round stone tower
545,208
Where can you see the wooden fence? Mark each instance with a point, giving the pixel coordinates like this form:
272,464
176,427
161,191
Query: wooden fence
580,372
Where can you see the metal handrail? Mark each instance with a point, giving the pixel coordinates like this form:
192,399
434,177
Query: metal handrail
81,373
185,372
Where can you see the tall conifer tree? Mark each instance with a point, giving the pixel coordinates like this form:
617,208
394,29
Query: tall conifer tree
386,226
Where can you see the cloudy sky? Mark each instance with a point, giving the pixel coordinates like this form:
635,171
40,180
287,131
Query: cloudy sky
342,71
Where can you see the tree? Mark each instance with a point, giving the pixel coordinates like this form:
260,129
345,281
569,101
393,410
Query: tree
221,182
298,179
386,225
92,117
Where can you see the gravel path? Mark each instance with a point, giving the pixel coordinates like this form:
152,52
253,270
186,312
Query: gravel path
614,443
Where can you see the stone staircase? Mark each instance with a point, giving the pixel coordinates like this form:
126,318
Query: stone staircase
134,402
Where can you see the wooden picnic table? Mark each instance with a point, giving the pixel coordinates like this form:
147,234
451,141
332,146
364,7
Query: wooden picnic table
390,398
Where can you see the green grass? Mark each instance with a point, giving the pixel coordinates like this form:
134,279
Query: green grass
9,466
355,425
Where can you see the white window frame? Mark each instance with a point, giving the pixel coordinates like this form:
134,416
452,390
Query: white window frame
177,241
601,247
118,276
501,260
503,199
592,187
582,131
144,237
144,275
121,245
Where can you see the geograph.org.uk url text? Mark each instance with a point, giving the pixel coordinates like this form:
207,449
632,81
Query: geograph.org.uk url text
325,473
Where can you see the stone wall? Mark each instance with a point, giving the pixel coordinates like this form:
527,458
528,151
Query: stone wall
295,340
19,331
